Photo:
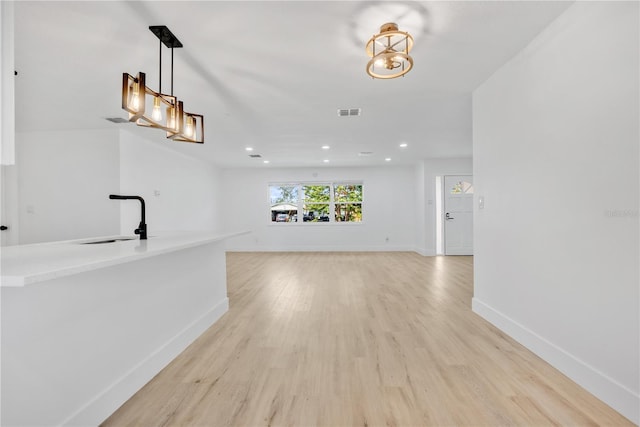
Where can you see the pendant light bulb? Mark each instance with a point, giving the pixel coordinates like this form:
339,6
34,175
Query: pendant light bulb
190,129
171,118
156,114
135,97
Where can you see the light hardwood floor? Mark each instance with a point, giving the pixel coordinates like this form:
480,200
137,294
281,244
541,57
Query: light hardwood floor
357,339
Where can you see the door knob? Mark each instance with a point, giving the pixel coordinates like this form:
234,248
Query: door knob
3,227
448,217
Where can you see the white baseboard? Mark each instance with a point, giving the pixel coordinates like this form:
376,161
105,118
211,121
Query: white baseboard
105,403
385,248
331,248
611,392
425,252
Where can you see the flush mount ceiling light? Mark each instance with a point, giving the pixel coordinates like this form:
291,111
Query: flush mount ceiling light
389,53
154,109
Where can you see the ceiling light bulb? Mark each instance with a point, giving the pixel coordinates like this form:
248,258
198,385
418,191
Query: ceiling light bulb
325,147
326,160
403,145
390,63
265,162
388,159
156,114
249,149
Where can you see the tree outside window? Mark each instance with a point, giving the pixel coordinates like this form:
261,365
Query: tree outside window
348,202
317,199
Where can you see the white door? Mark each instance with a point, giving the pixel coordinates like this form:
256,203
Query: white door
458,215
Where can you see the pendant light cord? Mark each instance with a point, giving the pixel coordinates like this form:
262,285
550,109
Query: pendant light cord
171,70
160,67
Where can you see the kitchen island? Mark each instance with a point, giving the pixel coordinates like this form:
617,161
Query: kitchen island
86,323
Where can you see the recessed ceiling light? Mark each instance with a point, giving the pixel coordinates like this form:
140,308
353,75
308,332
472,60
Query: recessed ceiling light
249,148
326,160
404,145
265,161
388,159
325,147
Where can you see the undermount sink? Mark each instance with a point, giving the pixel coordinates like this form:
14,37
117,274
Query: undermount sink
106,240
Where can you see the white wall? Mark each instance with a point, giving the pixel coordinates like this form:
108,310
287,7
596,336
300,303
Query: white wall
9,205
181,193
389,210
64,179
421,208
556,159
7,84
432,168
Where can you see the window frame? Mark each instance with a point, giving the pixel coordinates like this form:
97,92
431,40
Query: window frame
332,202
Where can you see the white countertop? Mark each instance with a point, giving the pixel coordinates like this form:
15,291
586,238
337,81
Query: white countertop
26,264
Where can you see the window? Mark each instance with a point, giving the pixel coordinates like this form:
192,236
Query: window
348,202
316,202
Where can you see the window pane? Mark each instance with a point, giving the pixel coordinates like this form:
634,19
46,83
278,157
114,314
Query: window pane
316,193
347,192
316,212
462,187
284,203
284,194
348,212
284,216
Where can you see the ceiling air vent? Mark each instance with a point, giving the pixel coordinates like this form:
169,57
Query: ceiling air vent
255,156
117,120
365,153
348,112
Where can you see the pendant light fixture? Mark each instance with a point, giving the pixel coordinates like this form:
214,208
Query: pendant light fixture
149,108
389,53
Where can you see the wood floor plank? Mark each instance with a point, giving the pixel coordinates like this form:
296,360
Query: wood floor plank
357,339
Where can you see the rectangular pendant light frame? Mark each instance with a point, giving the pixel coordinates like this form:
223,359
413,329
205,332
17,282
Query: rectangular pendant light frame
129,84
140,115
181,134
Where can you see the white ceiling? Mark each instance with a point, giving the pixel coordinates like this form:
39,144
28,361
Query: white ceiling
272,74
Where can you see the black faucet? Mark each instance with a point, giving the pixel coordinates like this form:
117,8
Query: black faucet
142,228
